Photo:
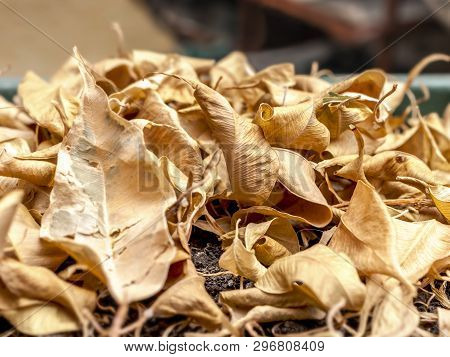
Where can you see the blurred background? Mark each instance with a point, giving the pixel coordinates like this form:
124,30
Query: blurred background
342,35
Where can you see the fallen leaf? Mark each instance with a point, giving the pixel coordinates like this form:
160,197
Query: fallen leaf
251,162
318,273
102,165
293,127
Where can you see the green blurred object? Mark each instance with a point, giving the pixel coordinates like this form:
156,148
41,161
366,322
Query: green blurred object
437,84
439,87
8,87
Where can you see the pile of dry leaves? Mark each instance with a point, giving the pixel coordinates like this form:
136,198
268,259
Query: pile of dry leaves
326,204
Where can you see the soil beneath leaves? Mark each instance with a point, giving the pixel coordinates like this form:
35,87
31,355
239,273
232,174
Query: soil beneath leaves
206,251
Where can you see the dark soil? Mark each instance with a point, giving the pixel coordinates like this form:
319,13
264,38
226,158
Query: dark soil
421,303
206,251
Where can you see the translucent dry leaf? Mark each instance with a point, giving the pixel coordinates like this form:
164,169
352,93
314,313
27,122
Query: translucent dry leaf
102,167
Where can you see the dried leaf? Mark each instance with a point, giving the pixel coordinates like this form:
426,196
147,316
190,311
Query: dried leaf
395,315
166,137
310,84
379,244
248,298
278,229
8,207
444,322
27,245
39,283
338,112
128,164
188,297
37,96
369,83
293,127
297,175
230,71
320,274
38,172
251,87
441,198
269,314
419,245
418,141
102,165
367,235
241,260
251,163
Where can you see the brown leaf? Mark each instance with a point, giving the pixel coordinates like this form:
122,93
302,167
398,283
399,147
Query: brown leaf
27,245
8,207
298,176
38,96
251,163
166,137
318,273
102,165
188,297
293,127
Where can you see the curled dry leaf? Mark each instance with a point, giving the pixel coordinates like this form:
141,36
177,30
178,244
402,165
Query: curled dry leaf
241,260
354,170
395,316
310,84
230,71
118,71
271,240
251,162
420,142
166,137
252,88
188,297
12,117
149,61
261,245
420,244
248,298
367,235
369,83
173,90
319,274
264,313
393,311
441,198
293,127
34,171
339,111
281,96
297,175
